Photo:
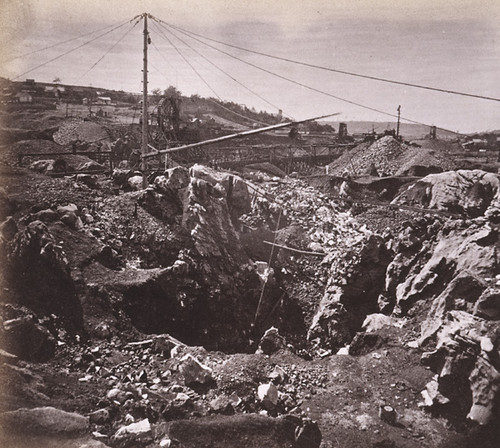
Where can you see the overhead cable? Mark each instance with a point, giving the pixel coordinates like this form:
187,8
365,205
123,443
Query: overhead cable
70,51
56,44
223,71
309,87
344,72
109,50
188,63
199,75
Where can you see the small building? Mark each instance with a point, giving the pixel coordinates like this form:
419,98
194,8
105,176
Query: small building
23,97
103,100
105,111
55,90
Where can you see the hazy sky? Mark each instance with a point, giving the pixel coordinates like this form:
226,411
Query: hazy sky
449,44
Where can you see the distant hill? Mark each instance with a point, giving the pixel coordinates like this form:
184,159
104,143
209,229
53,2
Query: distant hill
409,131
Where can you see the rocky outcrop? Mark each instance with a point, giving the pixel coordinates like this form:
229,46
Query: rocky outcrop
444,273
465,360
39,276
195,280
351,293
458,251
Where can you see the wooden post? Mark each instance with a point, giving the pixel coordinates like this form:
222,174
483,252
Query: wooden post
144,145
399,119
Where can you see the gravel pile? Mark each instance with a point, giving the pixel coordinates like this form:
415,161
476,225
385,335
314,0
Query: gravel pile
391,157
77,129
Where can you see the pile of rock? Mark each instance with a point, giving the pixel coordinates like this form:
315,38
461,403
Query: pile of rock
388,157
78,129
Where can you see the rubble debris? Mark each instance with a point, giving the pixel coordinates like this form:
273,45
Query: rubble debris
76,129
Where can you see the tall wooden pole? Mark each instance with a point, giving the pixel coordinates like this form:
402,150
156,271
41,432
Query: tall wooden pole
399,120
144,146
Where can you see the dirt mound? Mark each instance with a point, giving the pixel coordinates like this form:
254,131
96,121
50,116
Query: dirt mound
389,157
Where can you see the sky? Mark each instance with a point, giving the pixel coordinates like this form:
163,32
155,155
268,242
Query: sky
448,44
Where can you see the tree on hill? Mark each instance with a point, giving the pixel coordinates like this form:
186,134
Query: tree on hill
156,95
171,92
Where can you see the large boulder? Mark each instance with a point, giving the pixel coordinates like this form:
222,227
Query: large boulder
488,304
48,166
467,191
233,188
194,372
91,165
135,434
8,228
271,342
242,430
166,206
121,176
173,179
268,395
44,421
